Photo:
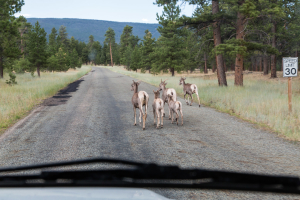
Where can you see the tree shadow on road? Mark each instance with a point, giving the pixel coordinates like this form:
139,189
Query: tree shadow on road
63,95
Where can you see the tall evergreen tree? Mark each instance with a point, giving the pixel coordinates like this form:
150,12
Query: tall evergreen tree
37,47
136,59
9,31
52,41
125,41
110,40
62,31
146,51
74,59
170,51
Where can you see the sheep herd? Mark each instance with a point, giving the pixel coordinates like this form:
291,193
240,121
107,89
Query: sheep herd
141,98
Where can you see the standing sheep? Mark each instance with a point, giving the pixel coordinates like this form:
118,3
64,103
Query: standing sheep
175,106
189,89
139,99
158,108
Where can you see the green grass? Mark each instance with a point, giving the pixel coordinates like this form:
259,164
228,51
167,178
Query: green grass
17,100
262,101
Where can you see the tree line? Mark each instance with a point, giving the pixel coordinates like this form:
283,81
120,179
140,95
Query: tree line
234,35
242,35
223,35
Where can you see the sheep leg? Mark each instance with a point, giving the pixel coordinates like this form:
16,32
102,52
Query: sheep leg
154,115
164,110
161,117
157,114
198,97
177,116
140,117
185,99
188,100
181,116
172,116
134,111
191,99
169,112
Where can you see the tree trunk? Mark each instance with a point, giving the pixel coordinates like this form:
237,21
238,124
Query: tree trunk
273,57
218,71
217,40
213,68
173,71
111,59
225,68
38,70
256,64
1,67
239,60
266,71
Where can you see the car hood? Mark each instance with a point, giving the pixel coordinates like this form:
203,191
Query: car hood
78,193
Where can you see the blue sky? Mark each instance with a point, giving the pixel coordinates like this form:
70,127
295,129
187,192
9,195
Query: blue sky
112,10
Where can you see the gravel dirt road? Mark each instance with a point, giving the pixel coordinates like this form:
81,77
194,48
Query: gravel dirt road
93,117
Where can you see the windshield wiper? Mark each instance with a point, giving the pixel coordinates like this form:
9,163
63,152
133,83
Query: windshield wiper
150,175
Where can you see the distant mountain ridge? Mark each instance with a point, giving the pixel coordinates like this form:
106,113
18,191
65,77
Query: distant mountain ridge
81,29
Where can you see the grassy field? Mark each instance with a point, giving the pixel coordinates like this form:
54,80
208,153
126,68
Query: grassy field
17,100
262,100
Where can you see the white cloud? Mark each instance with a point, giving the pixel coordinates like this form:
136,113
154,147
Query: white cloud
25,15
145,20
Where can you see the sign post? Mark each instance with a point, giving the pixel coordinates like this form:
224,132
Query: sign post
290,69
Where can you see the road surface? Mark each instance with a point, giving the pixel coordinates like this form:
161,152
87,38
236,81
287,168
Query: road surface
93,117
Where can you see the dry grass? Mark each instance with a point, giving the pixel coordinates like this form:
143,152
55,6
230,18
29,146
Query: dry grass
16,101
262,100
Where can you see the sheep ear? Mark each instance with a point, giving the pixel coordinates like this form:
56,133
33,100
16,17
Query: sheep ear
165,83
153,91
132,80
139,82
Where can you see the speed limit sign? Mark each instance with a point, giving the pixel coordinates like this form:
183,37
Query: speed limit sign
290,66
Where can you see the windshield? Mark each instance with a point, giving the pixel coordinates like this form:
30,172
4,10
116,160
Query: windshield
194,84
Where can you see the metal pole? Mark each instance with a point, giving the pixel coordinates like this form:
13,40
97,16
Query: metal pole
290,93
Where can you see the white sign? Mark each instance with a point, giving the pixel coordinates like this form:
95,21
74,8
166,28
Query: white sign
290,66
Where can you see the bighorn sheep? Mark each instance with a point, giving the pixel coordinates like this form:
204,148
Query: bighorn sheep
166,92
139,99
189,89
158,108
175,106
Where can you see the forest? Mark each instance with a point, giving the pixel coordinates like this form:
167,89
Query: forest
230,35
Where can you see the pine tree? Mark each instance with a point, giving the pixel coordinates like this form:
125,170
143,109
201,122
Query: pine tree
9,33
146,51
170,51
85,55
124,42
62,31
23,30
135,59
37,47
74,59
52,63
52,41
62,60
110,40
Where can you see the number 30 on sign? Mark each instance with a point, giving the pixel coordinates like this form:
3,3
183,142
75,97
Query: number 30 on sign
290,67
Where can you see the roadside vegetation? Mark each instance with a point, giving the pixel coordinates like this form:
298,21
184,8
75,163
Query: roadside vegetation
17,100
262,100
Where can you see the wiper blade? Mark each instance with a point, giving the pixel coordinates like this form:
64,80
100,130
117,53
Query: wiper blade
148,175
